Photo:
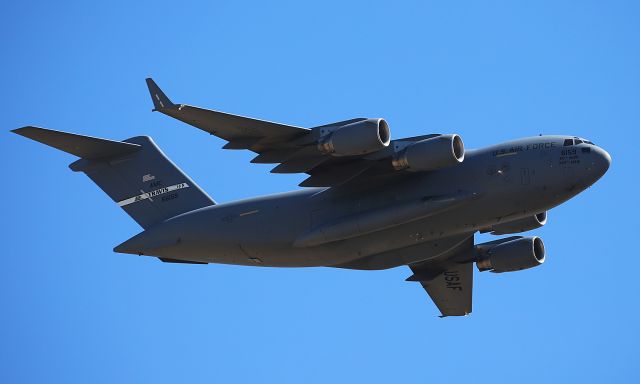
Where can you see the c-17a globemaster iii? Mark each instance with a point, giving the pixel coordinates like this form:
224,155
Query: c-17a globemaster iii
369,203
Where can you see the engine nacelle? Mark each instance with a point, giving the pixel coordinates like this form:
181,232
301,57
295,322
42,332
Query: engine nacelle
520,225
357,138
510,256
430,154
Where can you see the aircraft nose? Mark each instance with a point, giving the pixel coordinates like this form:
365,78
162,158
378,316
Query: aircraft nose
601,161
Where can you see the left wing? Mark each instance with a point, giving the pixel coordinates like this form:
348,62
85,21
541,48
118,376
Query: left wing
294,149
449,279
241,132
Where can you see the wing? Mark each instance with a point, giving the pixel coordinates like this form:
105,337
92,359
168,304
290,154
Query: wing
241,132
293,148
449,279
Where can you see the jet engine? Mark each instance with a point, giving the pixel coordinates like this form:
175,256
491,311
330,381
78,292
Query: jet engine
357,138
510,256
520,225
430,154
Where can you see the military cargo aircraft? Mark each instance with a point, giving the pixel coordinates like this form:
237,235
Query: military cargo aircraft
369,202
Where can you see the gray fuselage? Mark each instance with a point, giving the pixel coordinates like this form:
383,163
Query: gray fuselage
493,185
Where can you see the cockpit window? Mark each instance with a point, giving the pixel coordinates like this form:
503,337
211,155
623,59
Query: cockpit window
575,141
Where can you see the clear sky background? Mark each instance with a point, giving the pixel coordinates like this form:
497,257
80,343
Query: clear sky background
73,311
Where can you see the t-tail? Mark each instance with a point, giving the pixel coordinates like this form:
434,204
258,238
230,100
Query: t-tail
135,173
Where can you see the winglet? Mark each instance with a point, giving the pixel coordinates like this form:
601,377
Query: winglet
160,100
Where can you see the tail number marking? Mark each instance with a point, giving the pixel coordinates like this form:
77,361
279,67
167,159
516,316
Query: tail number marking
150,195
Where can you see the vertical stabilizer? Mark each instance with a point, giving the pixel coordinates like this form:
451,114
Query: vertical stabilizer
135,173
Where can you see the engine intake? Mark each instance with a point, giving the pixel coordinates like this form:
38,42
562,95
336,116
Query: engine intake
510,256
357,138
520,225
430,154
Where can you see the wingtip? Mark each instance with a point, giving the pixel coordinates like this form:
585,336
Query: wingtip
22,130
159,99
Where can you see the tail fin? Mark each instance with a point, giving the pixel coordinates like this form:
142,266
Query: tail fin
135,173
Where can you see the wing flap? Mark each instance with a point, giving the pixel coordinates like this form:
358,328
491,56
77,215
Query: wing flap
336,176
275,156
241,143
299,164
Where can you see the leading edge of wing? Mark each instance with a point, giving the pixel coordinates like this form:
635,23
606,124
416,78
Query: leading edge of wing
227,126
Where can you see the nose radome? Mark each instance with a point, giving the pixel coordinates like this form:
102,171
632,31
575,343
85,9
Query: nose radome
601,161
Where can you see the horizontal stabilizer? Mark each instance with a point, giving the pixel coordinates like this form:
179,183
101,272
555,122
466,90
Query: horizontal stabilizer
86,147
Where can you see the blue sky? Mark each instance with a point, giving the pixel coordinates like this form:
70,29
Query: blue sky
74,311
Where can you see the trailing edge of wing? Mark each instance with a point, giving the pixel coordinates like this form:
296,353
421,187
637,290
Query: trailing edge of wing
298,165
336,176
